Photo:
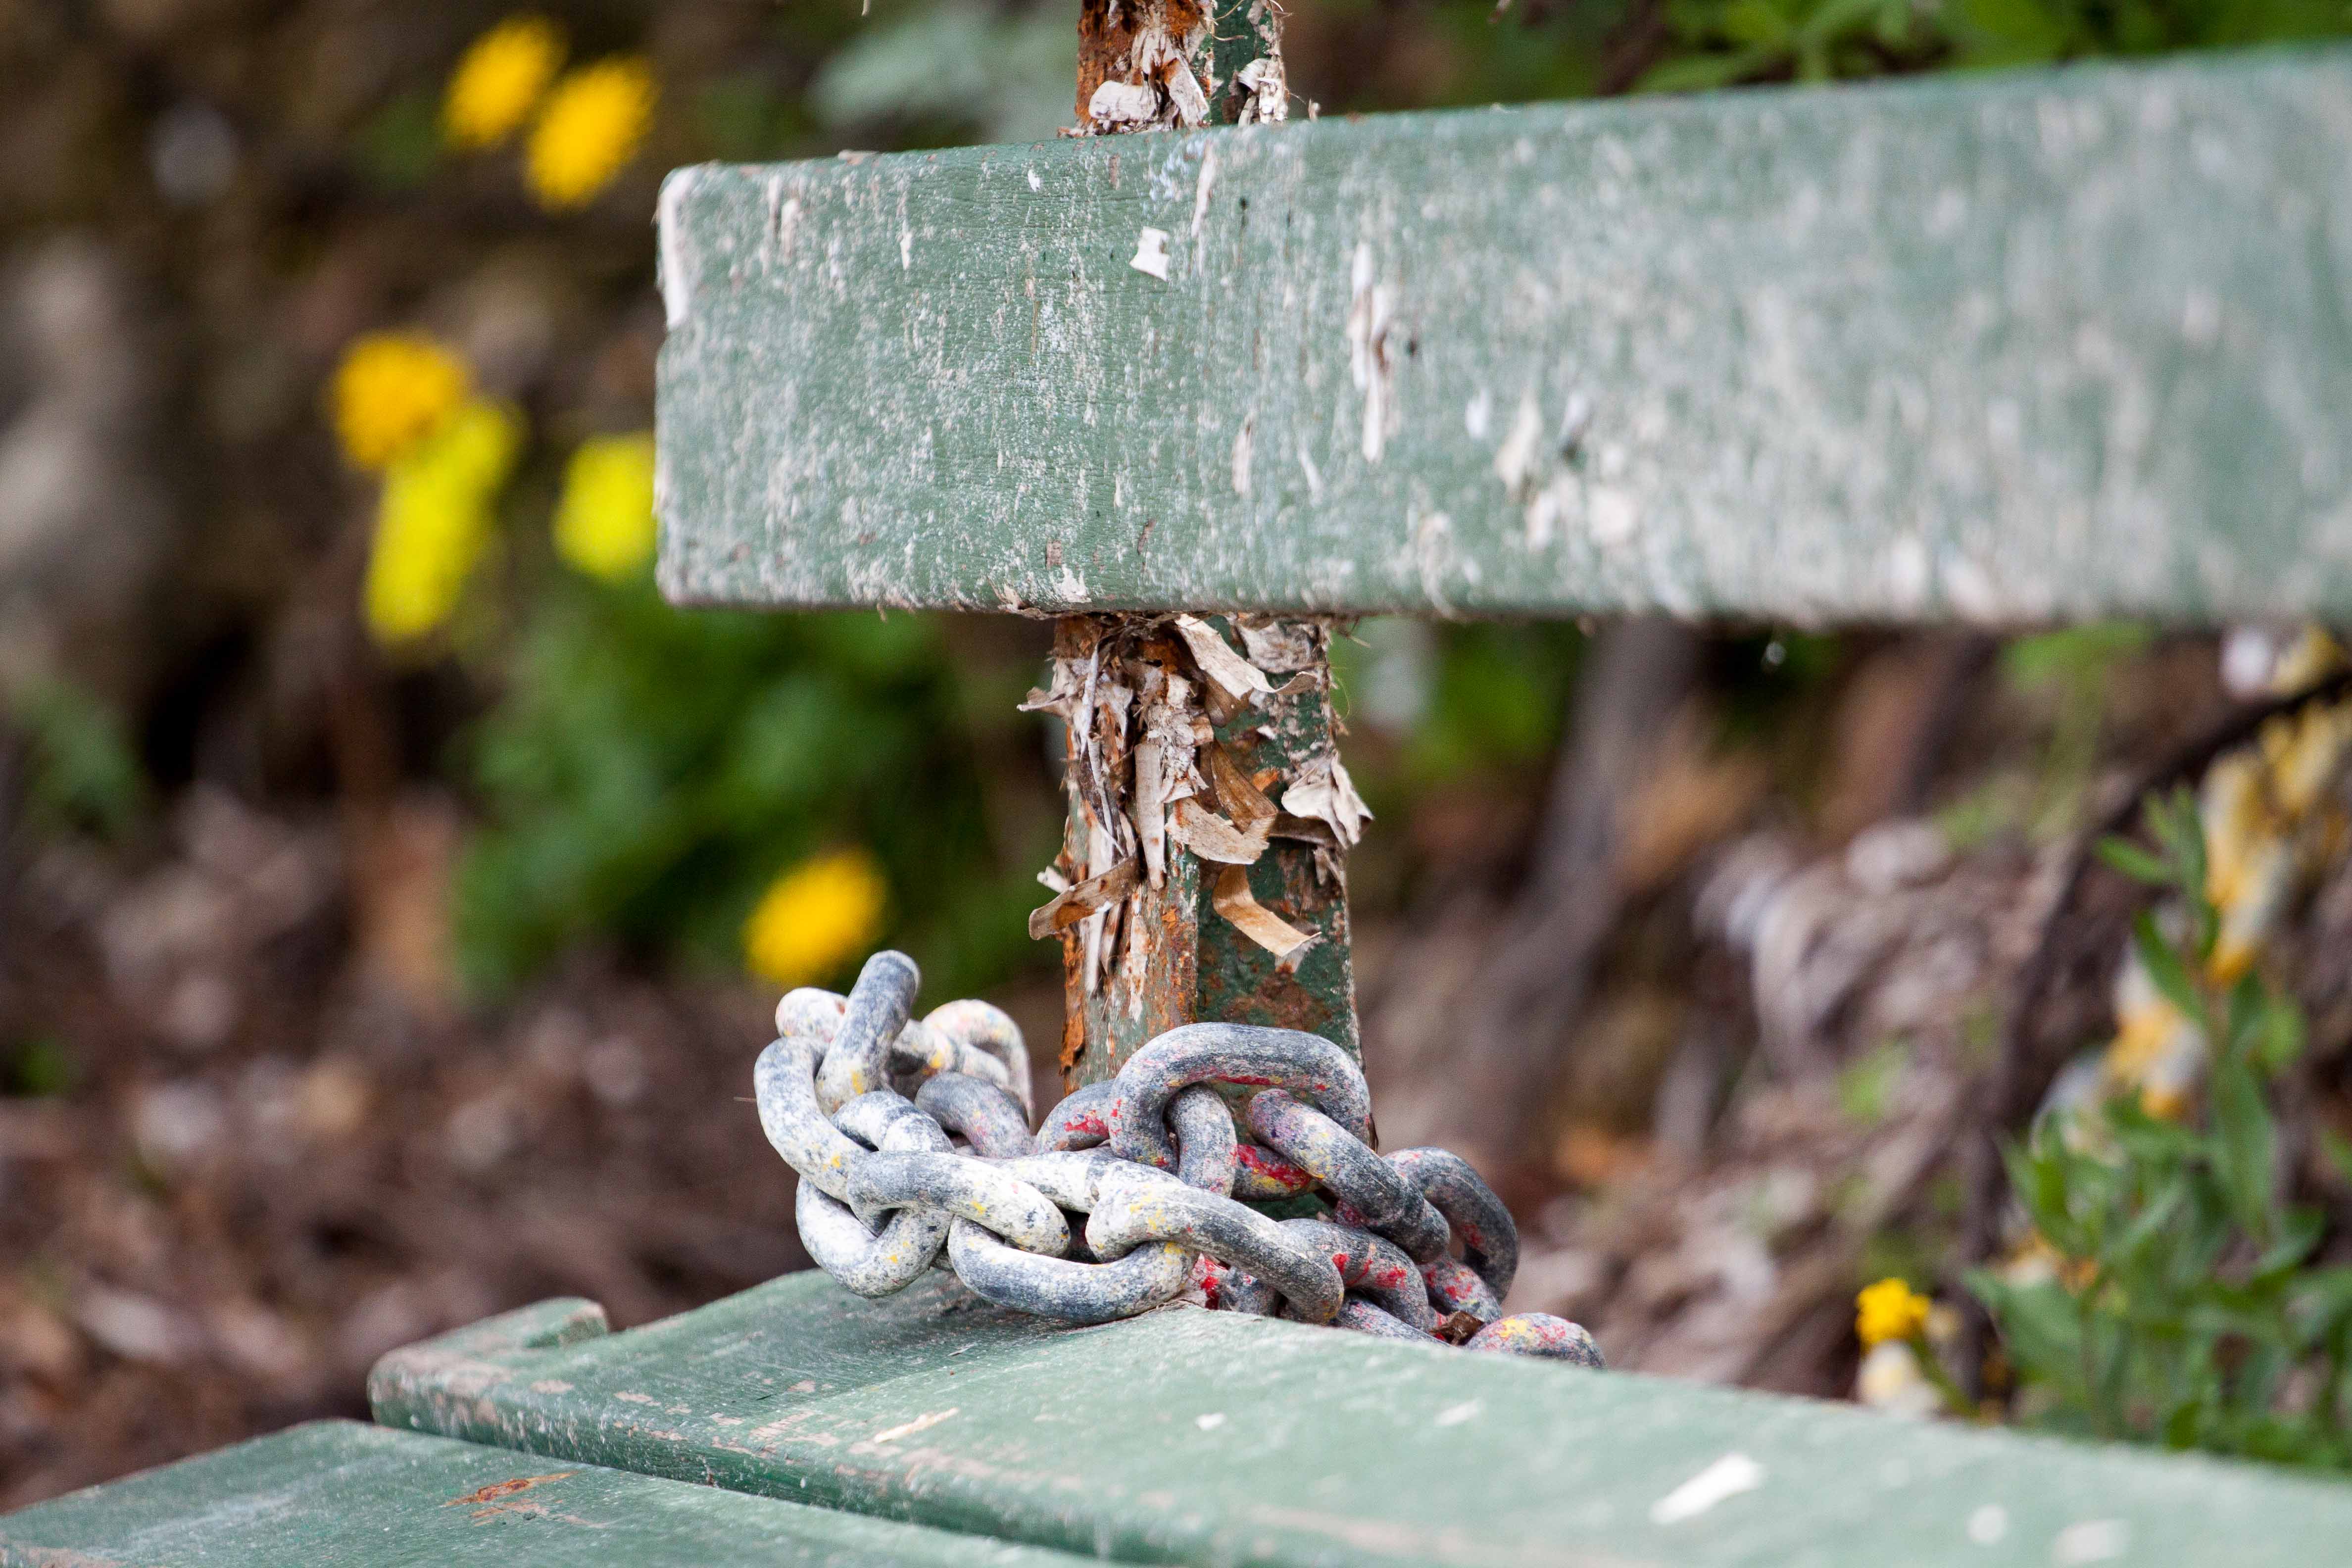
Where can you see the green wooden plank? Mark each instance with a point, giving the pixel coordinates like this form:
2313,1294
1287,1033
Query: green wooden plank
2055,344
1193,1437
341,1492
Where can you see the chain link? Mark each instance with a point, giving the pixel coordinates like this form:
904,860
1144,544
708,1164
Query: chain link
867,1104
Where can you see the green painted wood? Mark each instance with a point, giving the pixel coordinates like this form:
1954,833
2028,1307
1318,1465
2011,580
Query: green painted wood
338,1492
2053,344
1202,1437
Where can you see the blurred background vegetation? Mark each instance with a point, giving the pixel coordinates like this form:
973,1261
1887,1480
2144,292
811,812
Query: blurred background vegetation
362,804
471,184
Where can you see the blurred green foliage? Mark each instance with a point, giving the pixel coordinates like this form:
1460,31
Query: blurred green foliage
1719,42
958,67
399,145
2184,1308
1726,41
38,1068
648,772
82,772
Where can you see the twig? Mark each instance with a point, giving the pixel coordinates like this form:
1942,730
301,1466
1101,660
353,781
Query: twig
2015,1089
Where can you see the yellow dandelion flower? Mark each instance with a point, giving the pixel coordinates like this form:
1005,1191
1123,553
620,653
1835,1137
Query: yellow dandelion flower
1889,1309
392,390
604,523
435,520
589,131
501,80
815,918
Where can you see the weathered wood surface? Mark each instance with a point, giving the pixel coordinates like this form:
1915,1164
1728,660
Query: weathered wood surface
2055,344
1202,1437
337,1493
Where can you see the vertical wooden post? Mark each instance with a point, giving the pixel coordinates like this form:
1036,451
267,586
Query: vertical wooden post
1190,939
1171,934
1179,62
1163,952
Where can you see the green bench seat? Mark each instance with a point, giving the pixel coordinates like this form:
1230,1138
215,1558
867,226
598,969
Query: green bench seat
340,1493
1211,1438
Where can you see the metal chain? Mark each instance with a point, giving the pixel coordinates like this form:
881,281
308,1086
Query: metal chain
911,1140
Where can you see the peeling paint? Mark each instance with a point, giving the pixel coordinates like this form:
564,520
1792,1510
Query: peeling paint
1727,1477
1369,363
1152,253
923,1423
1202,187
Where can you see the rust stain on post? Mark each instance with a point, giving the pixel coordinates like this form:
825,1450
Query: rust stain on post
1203,873
1225,906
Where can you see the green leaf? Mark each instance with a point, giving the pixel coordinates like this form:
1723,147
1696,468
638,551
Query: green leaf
2037,1176
2280,1043
2150,1222
82,773
1757,25
2299,1233
1703,73
2164,968
2338,1149
2133,861
2247,1142
2181,1423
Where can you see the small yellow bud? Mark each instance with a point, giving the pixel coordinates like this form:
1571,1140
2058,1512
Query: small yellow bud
501,80
391,391
435,520
1889,1309
815,918
605,521
589,129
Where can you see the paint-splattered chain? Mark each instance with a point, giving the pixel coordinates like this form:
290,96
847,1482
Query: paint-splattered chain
1151,1159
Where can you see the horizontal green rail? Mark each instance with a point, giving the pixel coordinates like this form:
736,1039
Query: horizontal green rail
2048,345
1213,1437
336,1492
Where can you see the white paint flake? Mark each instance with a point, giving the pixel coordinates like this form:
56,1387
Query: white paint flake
1614,514
1202,187
1118,103
1152,253
2091,1541
1370,306
1727,1477
1988,1524
1549,506
1034,183
1454,1414
1478,414
670,250
909,1428
1238,676
1430,533
905,248
1267,84
1185,97
1210,1422
1314,475
1245,440
1515,460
